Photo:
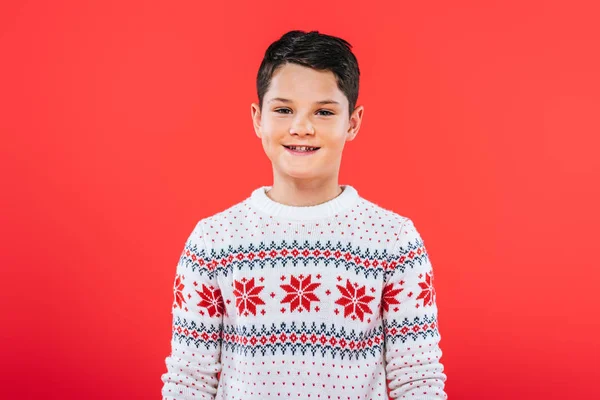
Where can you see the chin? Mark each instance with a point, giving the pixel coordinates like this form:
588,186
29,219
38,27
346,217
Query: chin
300,175
293,173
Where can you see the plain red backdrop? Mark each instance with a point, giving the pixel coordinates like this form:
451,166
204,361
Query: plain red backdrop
124,123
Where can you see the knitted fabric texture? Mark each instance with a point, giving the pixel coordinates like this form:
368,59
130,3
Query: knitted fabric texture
333,301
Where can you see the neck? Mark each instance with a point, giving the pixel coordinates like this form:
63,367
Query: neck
300,194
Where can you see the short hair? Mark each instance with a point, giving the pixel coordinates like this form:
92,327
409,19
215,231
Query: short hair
315,50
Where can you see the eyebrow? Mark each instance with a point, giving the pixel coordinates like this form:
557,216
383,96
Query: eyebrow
290,101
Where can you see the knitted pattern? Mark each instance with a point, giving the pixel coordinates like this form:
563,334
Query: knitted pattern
333,301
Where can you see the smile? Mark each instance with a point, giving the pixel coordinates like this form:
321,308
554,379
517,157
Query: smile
301,150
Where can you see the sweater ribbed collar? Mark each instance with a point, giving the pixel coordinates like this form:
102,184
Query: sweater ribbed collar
330,208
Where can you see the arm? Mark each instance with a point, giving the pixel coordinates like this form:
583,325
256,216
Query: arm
195,357
409,312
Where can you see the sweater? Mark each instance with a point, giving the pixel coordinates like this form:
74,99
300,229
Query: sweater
331,301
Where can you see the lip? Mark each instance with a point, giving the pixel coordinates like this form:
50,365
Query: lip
301,153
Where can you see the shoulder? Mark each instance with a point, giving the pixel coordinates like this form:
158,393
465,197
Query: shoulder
391,222
224,223
382,216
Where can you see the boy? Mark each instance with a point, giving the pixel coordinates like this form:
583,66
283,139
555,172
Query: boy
305,290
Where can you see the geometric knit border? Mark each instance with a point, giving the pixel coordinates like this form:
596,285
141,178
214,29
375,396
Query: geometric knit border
420,327
260,256
303,339
207,335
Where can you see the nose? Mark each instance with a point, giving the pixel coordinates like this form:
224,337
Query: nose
301,126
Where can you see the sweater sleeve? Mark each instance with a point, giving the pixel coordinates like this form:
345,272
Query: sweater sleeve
411,331
195,358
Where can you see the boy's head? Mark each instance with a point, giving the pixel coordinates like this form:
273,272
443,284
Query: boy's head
307,88
313,50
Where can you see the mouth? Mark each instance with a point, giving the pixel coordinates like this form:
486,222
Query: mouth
301,150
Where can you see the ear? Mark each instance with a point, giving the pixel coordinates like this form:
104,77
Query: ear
355,121
255,112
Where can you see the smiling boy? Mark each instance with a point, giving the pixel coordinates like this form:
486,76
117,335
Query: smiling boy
305,289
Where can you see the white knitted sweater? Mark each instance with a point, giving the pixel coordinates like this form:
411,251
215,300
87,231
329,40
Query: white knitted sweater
333,301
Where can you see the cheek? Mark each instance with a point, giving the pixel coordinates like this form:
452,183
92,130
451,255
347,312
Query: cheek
272,134
337,141
268,139
274,124
269,142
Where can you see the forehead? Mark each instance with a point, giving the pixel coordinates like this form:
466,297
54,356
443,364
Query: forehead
296,82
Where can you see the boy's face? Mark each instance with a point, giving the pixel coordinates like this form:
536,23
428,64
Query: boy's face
304,107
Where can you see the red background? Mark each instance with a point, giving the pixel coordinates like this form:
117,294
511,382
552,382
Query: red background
123,123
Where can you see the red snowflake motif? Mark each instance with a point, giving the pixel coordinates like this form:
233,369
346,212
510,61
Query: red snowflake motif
354,301
389,296
178,292
300,293
211,299
246,296
428,292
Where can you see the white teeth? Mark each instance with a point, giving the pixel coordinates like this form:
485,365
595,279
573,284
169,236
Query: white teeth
302,148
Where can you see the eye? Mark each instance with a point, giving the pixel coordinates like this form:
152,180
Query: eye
325,111
282,109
